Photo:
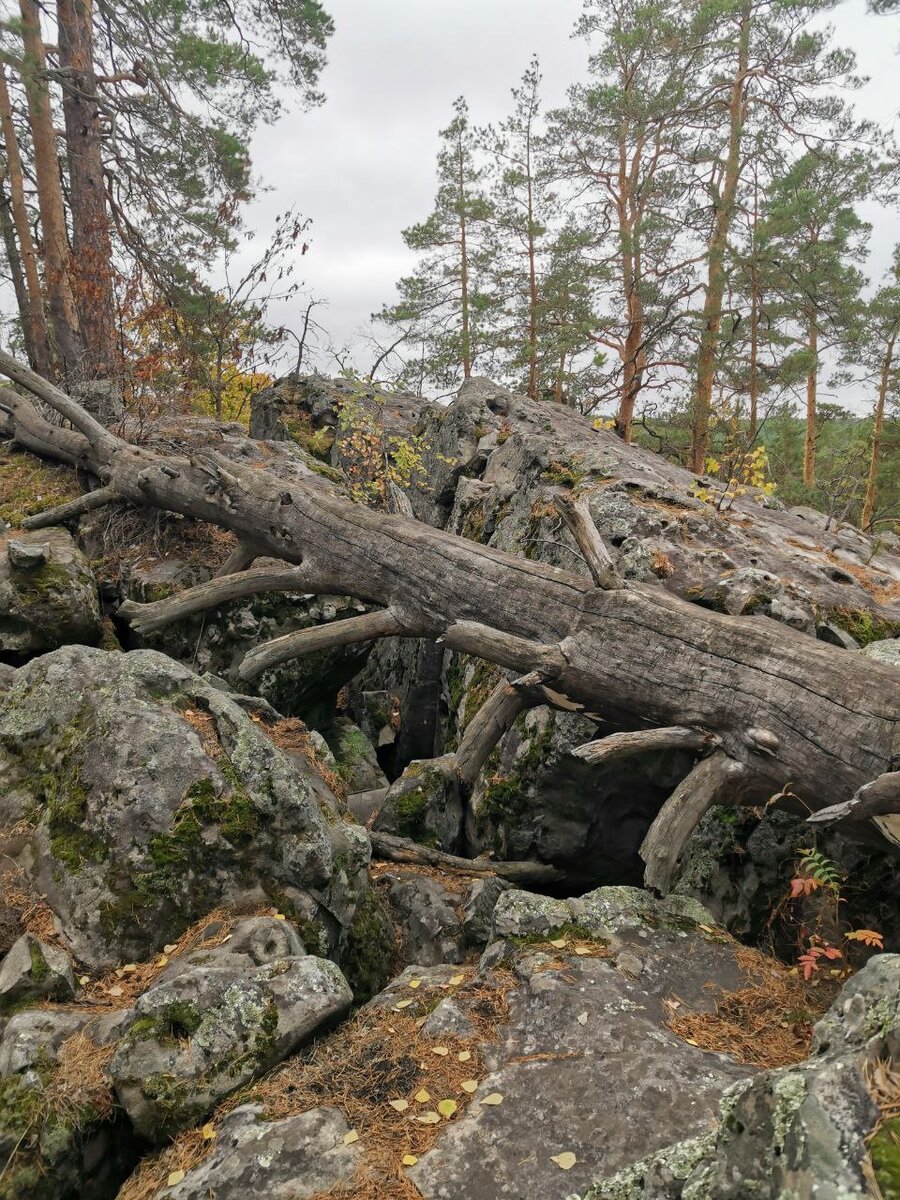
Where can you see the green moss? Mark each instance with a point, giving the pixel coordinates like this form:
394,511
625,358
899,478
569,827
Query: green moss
884,1150
28,485
173,1023
572,929
409,808
504,794
317,442
474,523
43,584
714,600
175,1109
862,624
39,968
568,474
483,681
369,950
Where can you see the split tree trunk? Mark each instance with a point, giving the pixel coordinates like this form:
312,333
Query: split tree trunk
782,712
54,240
91,272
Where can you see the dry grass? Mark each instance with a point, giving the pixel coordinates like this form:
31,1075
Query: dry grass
378,1056
29,485
141,538
766,1024
121,986
80,1078
205,725
457,882
26,909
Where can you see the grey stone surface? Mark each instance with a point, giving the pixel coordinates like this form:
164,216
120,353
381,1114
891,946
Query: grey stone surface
427,916
887,651
291,1159
195,1038
35,1036
145,820
34,970
48,595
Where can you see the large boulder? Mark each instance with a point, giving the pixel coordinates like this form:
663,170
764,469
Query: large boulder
197,1037
33,970
297,1158
798,1131
48,595
153,797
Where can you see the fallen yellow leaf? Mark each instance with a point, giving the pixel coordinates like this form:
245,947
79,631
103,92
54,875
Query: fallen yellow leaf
84,980
447,1108
456,979
399,1105
170,949
402,1004
469,1085
163,959
414,983
174,1177
565,1161
350,1137
493,1098
464,1055
115,991
441,1051
582,949
429,1118
422,1096
208,1132
409,1160
558,943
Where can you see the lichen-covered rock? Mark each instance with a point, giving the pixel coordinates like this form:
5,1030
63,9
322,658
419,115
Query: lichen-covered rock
585,1063
34,970
154,797
295,1158
48,596
34,1036
355,758
424,804
798,1132
478,909
887,650
197,1037
427,916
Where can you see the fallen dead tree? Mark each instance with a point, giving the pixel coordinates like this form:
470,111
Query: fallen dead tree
769,710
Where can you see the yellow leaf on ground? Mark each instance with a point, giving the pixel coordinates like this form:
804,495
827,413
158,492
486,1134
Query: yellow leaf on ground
175,1177
403,1004
464,1055
558,943
280,917
170,949
414,983
582,949
447,1108
423,1096
209,1132
350,1137
163,959
469,1085
409,1160
441,1051
128,968
493,1098
399,1105
115,991
457,979
84,980
565,1161
429,1118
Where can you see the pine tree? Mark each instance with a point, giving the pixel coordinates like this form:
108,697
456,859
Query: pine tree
443,301
880,331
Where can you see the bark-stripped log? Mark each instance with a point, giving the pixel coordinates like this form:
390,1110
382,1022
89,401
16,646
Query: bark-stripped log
643,741
638,655
402,850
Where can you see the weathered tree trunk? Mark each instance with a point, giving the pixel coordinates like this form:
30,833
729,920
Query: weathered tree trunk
781,711
91,273
868,511
32,314
809,442
14,262
54,240
718,242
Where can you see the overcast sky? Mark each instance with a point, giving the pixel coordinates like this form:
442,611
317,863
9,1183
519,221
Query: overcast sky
363,165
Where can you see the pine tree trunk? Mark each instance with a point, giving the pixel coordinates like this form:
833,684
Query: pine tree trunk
34,324
91,272
532,288
716,248
464,271
14,262
809,448
55,243
868,511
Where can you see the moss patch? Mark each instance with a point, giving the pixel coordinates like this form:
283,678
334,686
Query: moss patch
884,1150
862,624
369,950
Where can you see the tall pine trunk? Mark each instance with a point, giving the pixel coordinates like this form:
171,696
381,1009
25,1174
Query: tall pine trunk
868,511
31,298
464,267
632,347
716,248
812,379
532,283
91,273
54,241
